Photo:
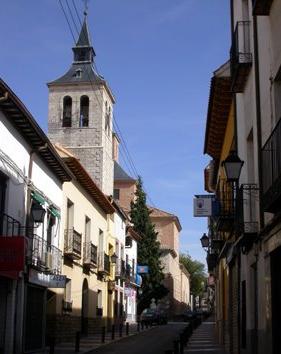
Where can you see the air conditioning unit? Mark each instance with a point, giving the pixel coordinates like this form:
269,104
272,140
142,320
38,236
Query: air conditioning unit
49,260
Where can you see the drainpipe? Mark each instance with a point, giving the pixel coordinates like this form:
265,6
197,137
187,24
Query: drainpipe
260,169
258,117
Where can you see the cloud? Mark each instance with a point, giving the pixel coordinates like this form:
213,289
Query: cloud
174,13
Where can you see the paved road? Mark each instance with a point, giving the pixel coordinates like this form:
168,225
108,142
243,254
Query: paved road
154,341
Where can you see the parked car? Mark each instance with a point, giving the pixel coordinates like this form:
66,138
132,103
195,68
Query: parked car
153,316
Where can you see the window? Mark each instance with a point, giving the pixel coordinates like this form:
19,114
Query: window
87,229
70,215
107,119
84,112
116,194
67,111
67,291
51,220
101,247
78,73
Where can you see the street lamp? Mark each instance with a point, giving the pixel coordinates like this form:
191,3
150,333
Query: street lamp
232,166
205,241
37,212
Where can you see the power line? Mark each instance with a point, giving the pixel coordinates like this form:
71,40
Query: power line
126,152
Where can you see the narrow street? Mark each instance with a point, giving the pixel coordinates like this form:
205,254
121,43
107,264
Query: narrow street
155,341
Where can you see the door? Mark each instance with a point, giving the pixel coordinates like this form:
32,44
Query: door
35,318
275,263
84,309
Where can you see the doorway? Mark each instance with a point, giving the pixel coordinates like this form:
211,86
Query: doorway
275,264
84,309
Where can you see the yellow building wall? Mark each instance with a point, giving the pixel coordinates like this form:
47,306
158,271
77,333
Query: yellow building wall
84,206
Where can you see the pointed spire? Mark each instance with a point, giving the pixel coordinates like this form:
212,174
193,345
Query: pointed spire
84,37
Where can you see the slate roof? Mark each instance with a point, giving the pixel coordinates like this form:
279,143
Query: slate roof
120,174
88,74
84,37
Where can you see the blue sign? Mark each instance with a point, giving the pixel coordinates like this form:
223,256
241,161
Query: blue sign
142,269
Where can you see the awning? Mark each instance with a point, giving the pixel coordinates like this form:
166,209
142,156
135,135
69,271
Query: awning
38,197
55,212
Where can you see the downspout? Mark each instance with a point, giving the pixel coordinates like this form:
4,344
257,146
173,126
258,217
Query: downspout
258,118
260,169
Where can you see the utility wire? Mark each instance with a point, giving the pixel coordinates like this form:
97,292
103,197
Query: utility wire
126,154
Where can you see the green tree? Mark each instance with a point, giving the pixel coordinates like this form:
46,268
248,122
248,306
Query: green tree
148,251
197,273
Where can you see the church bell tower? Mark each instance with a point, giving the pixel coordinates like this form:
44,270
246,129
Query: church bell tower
80,113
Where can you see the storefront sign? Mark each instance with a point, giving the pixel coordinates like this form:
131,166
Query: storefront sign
47,280
142,269
12,253
203,205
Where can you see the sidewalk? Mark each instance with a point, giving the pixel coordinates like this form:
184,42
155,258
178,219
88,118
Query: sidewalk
203,340
87,344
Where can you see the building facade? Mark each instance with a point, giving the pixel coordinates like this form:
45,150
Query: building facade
252,249
86,303
32,175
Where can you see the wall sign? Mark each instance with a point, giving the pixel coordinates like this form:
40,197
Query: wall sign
47,280
203,205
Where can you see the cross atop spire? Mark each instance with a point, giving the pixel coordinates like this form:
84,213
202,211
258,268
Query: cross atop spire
86,7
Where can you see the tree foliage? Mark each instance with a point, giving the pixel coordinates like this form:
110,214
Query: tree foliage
148,250
197,273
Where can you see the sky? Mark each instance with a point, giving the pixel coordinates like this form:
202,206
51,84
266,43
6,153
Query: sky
158,57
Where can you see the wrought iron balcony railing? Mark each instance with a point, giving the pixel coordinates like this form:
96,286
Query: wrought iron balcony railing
246,211
90,258
240,56
9,226
261,7
271,166
72,243
103,263
43,256
120,268
226,207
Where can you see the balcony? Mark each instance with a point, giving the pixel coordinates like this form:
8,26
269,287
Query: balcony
212,260
226,206
120,269
261,7
72,244
271,167
9,226
43,256
247,224
240,56
103,264
90,256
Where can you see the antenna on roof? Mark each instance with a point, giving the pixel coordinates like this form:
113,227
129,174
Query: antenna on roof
86,7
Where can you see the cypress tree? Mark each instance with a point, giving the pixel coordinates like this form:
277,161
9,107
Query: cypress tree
148,251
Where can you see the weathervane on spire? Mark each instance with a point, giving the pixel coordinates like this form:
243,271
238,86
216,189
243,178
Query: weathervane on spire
86,7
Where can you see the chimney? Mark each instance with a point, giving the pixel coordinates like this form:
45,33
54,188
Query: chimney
115,147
